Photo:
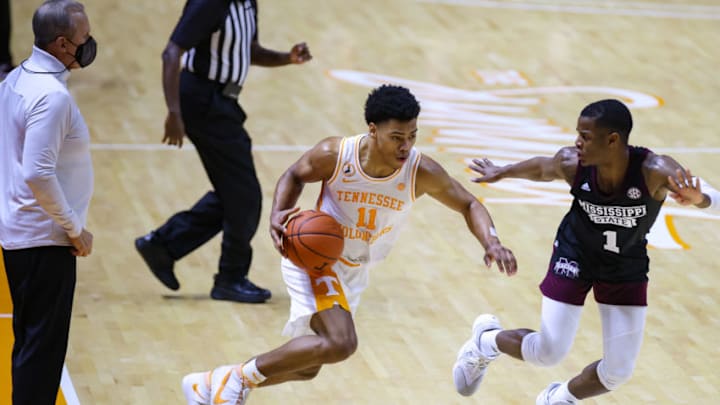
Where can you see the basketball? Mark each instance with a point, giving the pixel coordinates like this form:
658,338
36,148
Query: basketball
313,241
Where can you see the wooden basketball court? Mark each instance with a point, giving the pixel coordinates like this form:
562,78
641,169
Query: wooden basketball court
503,79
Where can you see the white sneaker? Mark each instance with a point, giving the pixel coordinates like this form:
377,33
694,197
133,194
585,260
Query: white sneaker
471,363
544,397
226,388
196,387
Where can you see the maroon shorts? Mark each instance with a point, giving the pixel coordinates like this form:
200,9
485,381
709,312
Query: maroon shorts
574,291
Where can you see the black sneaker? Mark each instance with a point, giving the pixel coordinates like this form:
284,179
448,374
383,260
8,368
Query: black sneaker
158,260
239,291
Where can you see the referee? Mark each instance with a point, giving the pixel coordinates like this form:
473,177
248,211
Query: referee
215,41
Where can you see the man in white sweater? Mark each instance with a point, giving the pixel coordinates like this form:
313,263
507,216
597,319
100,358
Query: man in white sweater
46,179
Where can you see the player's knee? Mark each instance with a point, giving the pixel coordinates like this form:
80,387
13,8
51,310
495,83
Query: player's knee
613,378
339,349
550,357
537,350
308,373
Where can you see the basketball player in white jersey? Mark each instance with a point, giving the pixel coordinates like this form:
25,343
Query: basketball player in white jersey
370,183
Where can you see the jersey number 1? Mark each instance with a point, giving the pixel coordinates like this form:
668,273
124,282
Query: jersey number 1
611,242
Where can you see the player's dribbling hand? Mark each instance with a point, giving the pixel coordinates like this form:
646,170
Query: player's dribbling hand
300,53
174,130
503,257
484,166
277,227
684,191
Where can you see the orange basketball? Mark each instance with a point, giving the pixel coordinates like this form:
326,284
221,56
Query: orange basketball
314,240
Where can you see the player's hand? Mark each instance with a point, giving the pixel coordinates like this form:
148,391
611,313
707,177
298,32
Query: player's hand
82,245
684,191
300,53
174,130
484,166
277,227
503,257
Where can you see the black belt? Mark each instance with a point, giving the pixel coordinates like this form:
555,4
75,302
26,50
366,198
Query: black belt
230,90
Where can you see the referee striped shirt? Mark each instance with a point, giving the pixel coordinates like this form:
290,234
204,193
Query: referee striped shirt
217,35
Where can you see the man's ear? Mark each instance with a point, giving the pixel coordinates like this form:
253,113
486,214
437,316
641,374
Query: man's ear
57,45
372,129
614,139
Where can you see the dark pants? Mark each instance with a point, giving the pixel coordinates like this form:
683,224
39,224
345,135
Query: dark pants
42,283
5,31
214,123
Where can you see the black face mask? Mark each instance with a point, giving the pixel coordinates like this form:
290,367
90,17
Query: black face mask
85,52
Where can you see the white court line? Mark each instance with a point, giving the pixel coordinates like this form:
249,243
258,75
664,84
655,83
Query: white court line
5,315
68,389
301,148
691,12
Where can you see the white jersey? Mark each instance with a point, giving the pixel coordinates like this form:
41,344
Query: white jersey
371,210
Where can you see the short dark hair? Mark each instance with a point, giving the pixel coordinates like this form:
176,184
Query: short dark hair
54,19
612,115
389,102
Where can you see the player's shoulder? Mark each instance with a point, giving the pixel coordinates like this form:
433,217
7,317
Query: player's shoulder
567,155
656,169
659,165
430,175
653,161
428,166
566,163
328,146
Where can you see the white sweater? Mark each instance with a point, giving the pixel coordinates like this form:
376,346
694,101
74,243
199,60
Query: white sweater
46,174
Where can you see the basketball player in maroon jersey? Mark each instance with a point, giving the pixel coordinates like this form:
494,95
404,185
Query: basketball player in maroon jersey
600,245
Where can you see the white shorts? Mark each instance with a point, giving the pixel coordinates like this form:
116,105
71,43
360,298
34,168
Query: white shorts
312,292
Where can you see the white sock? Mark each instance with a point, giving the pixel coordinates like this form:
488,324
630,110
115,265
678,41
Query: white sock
562,393
252,374
488,345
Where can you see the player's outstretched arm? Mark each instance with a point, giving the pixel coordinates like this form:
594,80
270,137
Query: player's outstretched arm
316,164
433,180
540,168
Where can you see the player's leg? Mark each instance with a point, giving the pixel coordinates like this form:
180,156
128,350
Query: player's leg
300,375
318,303
559,323
623,328
302,357
298,359
564,294
623,323
306,373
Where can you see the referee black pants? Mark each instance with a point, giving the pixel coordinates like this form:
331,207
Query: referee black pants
214,124
42,284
